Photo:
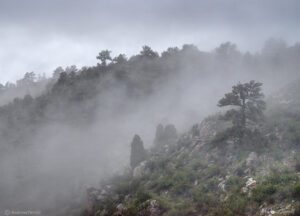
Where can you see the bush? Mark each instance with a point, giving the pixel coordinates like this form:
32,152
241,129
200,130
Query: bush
180,188
293,133
255,140
281,177
234,205
240,171
142,195
297,211
263,193
205,200
197,165
213,171
163,183
234,184
295,190
220,138
129,211
128,187
181,208
297,167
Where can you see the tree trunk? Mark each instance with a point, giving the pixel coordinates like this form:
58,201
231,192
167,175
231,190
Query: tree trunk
243,120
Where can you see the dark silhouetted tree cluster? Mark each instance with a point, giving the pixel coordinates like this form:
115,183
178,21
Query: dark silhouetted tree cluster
165,135
138,153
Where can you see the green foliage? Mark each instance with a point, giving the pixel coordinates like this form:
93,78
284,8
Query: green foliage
234,205
297,210
252,140
278,186
128,187
182,208
293,133
158,164
130,210
220,138
142,195
205,201
161,184
234,184
247,98
263,193
181,187
297,167
213,171
255,140
197,165
295,190
283,177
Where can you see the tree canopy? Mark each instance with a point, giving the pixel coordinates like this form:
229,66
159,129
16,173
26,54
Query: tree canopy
248,103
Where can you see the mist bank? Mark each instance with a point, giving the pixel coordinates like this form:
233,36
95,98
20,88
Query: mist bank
78,129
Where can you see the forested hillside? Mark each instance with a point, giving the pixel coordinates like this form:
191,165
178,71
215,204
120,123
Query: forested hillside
213,169
61,134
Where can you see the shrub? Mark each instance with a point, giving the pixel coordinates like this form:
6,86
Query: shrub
220,138
181,208
293,133
142,195
255,140
180,188
297,211
129,211
234,205
213,171
240,171
197,165
297,167
205,200
295,190
263,193
281,177
163,183
234,184
128,187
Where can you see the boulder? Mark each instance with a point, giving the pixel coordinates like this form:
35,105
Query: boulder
140,170
251,183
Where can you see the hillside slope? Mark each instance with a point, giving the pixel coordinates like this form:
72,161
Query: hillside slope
201,173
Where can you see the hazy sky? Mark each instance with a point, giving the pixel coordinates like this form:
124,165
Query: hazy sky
39,35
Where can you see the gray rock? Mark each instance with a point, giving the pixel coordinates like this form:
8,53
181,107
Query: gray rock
252,159
140,170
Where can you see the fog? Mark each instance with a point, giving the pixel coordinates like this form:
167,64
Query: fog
48,164
74,132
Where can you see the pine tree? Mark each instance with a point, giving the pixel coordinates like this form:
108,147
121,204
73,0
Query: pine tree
249,105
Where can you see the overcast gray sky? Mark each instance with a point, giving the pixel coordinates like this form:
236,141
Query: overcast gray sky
39,35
